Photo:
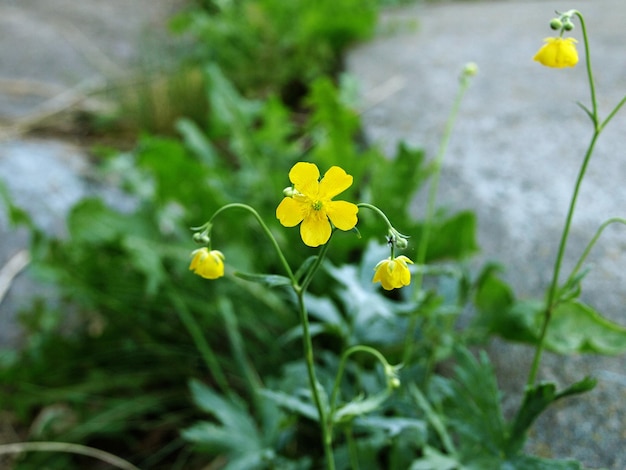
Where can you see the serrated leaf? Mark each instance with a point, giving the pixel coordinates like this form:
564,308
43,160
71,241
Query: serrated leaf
433,459
231,413
392,425
268,280
293,403
360,406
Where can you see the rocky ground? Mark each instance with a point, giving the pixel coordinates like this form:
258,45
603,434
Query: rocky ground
513,157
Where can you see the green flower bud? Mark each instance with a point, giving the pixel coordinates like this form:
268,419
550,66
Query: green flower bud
556,24
201,238
470,69
568,25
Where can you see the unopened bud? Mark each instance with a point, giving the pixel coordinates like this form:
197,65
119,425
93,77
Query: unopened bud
568,25
201,238
556,24
289,191
470,69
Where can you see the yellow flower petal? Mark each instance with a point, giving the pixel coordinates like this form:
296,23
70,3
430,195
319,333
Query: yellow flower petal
290,212
305,177
393,273
335,181
342,214
208,264
315,229
558,53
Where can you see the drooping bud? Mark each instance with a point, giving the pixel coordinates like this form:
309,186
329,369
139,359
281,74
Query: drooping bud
568,25
201,238
556,24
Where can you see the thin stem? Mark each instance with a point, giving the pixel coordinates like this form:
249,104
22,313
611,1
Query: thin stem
352,448
316,264
592,243
325,425
342,365
430,211
550,302
592,86
20,447
265,228
202,345
378,211
613,113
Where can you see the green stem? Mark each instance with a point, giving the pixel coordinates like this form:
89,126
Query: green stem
592,243
352,448
550,302
379,212
342,365
325,424
313,269
430,212
281,256
202,345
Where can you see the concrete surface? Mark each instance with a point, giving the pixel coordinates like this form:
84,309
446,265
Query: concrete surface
50,50
513,158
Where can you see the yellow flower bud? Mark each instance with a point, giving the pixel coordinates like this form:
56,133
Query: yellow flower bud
393,273
207,264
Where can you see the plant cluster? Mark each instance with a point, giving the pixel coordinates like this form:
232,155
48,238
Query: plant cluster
315,331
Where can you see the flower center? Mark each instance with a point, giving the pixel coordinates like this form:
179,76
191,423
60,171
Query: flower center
317,205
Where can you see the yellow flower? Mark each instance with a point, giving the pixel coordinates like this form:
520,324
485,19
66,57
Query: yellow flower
208,264
311,203
558,53
393,273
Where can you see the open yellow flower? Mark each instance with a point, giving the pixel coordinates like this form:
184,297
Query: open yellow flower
208,264
558,53
310,203
393,273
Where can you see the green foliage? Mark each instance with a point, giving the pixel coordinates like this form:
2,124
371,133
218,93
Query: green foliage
475,434
574,328
276,45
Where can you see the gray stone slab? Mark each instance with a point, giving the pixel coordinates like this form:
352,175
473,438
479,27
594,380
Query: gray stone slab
48,47
513,159
51,45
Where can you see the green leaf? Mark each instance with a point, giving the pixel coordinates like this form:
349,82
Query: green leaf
304,268
529,462
92,222
577,328
237,433
394,182
392,425
451,238
433,459
360,406
17,216
197,141
536,400
296,404
269,280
